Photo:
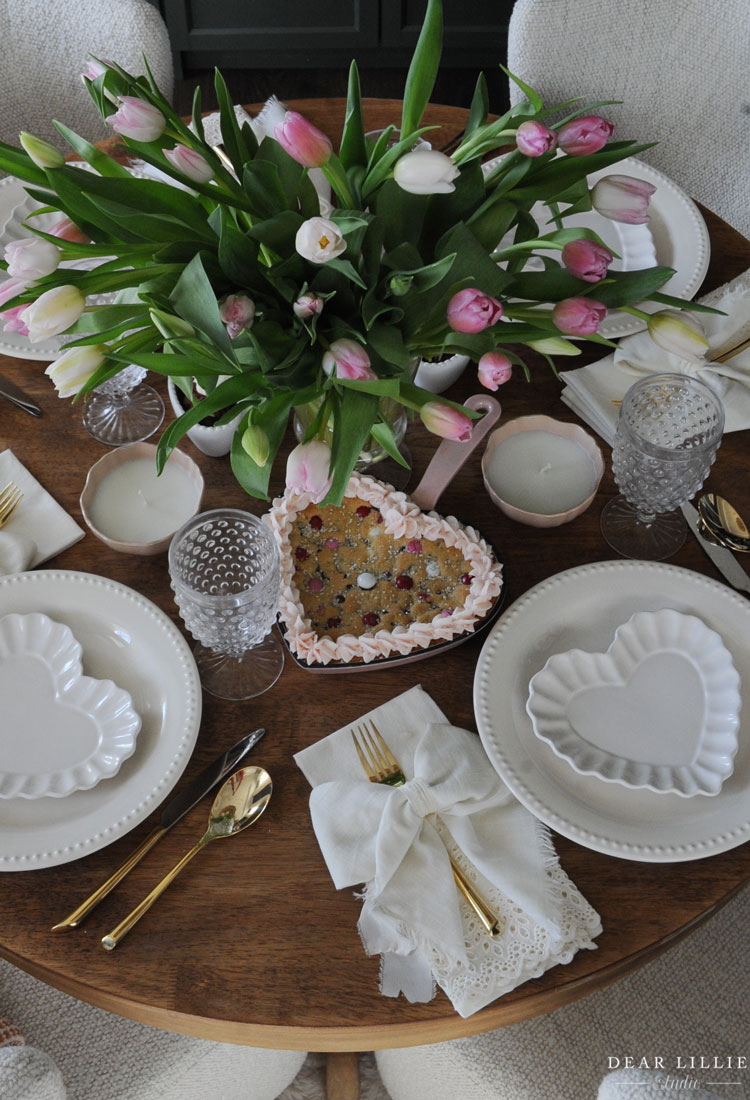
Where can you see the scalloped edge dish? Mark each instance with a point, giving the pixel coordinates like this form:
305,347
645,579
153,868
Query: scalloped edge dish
582,608
86,726
608,715
127,638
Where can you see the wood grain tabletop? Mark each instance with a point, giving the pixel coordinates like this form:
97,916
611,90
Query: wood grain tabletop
252,944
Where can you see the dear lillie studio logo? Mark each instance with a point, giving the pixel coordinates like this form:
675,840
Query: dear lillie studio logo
684,1072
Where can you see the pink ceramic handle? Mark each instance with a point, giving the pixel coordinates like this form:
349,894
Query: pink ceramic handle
451,455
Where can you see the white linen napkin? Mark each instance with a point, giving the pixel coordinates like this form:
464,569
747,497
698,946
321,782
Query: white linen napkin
39,528
394,840
595,392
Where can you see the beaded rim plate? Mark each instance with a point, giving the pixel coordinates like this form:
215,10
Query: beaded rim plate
127,638
582,608
676,235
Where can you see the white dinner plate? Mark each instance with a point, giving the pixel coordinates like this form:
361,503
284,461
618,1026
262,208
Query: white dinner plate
676,236
128,639
15,206
582,608
679,234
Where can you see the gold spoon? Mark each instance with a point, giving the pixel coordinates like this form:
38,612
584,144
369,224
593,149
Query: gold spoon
240,801
724,522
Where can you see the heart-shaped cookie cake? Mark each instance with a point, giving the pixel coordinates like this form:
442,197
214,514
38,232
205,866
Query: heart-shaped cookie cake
375,576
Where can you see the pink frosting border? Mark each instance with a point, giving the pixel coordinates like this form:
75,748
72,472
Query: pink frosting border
402,519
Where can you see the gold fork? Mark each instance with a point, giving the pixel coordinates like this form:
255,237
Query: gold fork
381,766
10,497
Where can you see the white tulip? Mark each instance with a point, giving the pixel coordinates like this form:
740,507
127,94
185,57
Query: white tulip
31,258
53,312
74,368
319,240
679,333
426,172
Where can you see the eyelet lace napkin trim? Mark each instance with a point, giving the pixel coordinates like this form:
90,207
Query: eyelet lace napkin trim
525,950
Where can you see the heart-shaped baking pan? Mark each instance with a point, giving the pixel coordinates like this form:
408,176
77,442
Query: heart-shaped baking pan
420,583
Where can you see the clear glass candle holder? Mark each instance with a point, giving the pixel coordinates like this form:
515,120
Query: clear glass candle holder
123,409
668,432
224,571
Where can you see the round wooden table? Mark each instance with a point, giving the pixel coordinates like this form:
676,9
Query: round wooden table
253,944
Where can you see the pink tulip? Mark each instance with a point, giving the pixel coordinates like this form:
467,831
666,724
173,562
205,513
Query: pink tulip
533,139
347,359
578,316
11,288
303,142
13,322
31,258
137,119
237,311
584,135
471,310
622,198
190,163
307,469
308,305
493,369
95,68
445,421
587,260
67,230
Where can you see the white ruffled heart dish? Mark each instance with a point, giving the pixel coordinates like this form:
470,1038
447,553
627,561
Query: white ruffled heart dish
660,709
61,731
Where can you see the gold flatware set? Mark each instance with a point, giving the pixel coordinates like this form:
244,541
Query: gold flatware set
381,766
10,497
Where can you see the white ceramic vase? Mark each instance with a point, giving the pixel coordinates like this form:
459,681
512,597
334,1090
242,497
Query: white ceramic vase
438,376
211,440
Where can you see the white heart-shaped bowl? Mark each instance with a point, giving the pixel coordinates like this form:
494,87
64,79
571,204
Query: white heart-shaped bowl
61,731
660,709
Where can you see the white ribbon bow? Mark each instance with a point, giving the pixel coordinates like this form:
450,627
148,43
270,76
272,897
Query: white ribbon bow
387,838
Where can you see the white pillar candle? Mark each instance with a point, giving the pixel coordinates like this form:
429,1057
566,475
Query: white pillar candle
541,472
132,504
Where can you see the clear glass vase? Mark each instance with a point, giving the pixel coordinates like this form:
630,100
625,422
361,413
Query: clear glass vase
372,452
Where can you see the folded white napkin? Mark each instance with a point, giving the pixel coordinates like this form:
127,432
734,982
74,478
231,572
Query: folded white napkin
39,528
595,392
396,840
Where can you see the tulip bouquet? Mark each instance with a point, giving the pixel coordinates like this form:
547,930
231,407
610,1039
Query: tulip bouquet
248,281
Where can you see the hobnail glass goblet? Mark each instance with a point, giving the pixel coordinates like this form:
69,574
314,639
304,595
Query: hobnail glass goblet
123,410
224,570
668,432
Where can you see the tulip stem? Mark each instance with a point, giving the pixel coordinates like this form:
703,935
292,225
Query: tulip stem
636,312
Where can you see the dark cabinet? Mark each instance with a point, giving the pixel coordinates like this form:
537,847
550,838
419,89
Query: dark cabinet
328,33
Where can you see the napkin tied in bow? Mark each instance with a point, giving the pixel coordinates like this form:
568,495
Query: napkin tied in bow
389,838
595,391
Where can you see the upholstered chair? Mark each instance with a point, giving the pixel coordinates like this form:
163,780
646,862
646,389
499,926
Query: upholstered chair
43,51
73,1051
680,71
